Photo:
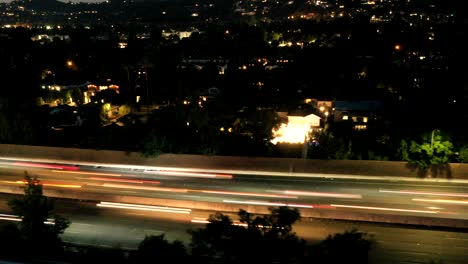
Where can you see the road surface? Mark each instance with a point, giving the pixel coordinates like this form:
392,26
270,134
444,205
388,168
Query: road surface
125,228
444,199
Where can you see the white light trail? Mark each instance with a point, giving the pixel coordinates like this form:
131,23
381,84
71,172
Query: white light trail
267,203
188,174
324,194
426,193
250,194
148,188
144,207
440,201
89,173
17,218
384,209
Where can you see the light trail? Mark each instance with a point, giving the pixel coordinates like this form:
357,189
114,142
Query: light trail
123,180
199,221
384,209
62,185
90,173
45,166
17,218
324,194
188,174
426,193
268,203
440,201
148,188
250,194
10,217
145,207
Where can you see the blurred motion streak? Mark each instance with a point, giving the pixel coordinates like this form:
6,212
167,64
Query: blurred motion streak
384,209
90,173
426,193
145,207
45,166
17,218
268,203
320,194
189,174
63,185
440,201
126,186
122,180
251,194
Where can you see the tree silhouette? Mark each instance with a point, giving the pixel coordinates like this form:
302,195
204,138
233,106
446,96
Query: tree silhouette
260,239
158,249
39,233
348,247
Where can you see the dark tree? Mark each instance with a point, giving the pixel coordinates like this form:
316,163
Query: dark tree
39,233
348,247
260,239
156,249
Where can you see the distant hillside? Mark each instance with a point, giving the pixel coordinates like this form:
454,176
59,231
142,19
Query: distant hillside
51,5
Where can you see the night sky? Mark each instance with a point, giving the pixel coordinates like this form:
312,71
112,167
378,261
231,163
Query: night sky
66,1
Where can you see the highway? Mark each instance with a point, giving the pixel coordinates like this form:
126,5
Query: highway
443,199
103,223
125,228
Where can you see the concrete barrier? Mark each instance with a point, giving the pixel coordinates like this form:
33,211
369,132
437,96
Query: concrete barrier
227,163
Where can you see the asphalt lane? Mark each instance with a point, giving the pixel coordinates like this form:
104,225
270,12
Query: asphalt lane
443,199
125,228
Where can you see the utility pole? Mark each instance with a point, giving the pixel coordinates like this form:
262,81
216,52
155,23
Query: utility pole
432,152
432,141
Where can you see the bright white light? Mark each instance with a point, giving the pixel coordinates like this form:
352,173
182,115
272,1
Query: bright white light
292,133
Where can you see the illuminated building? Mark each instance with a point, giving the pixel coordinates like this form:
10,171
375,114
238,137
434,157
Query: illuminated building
298,129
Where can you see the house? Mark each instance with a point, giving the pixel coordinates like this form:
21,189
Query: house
358,113
299,125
